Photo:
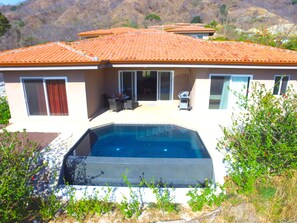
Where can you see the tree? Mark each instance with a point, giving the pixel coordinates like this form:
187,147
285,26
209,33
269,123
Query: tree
152,17
291,44
196,19
131,24
213,24
4,24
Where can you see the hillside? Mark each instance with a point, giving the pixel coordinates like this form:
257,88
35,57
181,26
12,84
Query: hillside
37,21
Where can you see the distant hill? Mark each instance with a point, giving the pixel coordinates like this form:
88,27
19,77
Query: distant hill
37,21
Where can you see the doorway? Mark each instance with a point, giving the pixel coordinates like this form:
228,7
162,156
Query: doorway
146,85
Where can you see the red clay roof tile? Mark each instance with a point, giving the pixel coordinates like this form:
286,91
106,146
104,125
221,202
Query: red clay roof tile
103,32
148,46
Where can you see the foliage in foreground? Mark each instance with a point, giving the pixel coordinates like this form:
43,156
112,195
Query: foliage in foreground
4,111
262,140
271,201
18,165
200,197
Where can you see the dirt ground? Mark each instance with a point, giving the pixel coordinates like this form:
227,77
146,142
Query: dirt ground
40,138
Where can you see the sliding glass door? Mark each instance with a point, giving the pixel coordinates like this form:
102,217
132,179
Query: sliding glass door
46,96
147,85
225,91
127,83
165,86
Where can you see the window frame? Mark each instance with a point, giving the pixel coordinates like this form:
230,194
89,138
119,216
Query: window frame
44,79
250,76
280,83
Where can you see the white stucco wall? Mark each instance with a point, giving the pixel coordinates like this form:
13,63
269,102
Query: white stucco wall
75,87
201,89
85,88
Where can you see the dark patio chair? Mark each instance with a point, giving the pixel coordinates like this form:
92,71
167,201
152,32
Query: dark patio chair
130,104
105,100
115,105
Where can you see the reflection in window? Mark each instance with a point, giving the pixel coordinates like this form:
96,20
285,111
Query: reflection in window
280,84
45,97
225,91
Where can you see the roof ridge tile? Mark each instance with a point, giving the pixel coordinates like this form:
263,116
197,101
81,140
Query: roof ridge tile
79,52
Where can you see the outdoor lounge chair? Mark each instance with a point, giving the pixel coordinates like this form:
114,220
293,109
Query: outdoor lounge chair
115,105
130,104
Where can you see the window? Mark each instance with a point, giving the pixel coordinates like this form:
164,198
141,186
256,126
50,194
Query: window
280,84
45,96
224,90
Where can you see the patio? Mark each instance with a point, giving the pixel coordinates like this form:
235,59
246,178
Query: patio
207,125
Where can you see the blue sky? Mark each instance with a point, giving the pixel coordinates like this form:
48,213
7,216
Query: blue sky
10,2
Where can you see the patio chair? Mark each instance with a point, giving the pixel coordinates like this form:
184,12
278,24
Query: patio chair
130,104
105,100
115,105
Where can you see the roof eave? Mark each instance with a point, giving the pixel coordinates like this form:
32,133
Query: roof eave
262,63
36,64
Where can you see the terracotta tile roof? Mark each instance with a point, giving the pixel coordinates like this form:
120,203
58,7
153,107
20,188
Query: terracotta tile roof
56,53
103,32
184,28
190,29
148,46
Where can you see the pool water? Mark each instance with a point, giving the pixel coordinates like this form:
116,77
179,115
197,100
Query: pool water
145,141
163,153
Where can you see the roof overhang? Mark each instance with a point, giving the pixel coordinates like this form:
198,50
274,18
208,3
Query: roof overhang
203,66
139,65
49,68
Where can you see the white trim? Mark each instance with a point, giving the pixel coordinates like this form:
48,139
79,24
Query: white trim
49,68
148,66
202,66
229,75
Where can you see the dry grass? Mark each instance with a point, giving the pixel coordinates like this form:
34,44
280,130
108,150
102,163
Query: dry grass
277,200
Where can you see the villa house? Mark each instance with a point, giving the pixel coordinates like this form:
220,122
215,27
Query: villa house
195,30
69,79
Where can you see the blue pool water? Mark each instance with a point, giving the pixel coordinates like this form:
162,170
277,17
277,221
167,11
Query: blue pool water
143,141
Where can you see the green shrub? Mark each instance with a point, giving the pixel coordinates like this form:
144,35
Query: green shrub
199,197
19,162
262,139
4,111
80,208
291,44
131,206
163,197
213,24
49,207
